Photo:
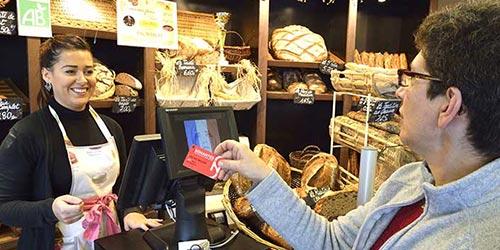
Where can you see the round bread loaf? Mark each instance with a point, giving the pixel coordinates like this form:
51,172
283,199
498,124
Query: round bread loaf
320,171
105,84
124,90
273,159
337,204
316,85
298,43
129,80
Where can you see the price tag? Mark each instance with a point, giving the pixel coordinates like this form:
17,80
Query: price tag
383,110
11,109
314,195
7,23
327,66
124,104
303,96
186,68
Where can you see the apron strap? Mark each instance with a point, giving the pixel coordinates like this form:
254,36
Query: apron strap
97,119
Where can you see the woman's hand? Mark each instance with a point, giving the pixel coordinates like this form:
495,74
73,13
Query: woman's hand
138,220
239,158
68,208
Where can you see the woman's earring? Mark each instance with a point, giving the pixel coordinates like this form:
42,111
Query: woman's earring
48,86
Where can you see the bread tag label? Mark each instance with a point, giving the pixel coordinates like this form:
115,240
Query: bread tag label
202,161
303,96
11,109
124,104
314,195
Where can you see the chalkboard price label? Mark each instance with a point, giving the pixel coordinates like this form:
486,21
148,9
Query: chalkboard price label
124,104
186,68
7,23
314,195
383,110
327,66
11,109
303,96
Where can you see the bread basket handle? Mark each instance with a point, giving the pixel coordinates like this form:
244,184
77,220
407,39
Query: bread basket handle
304,156
238,34
313,148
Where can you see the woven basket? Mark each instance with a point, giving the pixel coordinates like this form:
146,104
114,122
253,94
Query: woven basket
234,54
196,24
230,195
299,158
236,104
103,16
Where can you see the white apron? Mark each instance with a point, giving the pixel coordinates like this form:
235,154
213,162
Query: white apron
94,171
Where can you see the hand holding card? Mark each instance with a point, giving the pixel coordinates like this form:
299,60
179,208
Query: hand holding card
202,161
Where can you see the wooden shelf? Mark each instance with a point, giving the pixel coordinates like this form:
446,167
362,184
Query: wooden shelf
108,103
84,33
281,95
290,64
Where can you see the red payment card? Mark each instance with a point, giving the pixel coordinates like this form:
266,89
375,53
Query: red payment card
202,161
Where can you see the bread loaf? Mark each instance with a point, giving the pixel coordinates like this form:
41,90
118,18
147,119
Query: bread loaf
242,208
379,60
403,64
316,85
273,159
129,80
105,84
274,236
320,171
298,43
336,205
357,57
241,184
296,85
124,90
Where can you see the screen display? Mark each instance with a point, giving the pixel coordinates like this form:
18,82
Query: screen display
203,133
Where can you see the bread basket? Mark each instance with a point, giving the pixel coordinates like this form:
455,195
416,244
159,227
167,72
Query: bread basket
234,54
229,196
299,158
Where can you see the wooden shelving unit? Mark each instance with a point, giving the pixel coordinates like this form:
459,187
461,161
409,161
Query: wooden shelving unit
83,33
290,64
281,95
108,103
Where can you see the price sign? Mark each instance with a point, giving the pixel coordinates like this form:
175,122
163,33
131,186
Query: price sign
303,96
383,110
327,66
314,195
124,104
11,109
7,23
186,68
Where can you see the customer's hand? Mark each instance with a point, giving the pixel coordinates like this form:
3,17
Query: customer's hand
137,220
239,158
68,208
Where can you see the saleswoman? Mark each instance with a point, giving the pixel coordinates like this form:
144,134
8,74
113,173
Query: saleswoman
60,165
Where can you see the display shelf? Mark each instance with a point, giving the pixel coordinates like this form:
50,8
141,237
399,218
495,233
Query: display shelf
281,95
83,32
290,64
108,103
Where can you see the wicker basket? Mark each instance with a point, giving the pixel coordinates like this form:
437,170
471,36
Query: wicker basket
235,53
230,195
196,24
236,104
299,158
103,15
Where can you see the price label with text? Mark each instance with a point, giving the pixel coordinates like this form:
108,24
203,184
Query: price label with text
11,109
7,23
186,68
383,110
124,104
303,96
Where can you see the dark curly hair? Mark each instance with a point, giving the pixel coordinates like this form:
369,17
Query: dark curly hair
461,46
50,51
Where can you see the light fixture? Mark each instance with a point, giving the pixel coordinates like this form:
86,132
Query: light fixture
381,1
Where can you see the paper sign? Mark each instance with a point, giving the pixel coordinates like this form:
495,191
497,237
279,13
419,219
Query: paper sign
186,68
202,161
303,96
34,18
124,104
11,109
7,23
150,23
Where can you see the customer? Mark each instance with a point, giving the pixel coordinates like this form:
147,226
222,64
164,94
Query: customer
451,116
60,165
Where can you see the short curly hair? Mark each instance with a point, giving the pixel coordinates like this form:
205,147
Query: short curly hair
461,46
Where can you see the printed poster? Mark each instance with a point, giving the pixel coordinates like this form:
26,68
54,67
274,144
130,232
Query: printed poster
34,18
147,23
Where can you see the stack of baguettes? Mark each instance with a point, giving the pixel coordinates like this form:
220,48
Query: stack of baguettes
381,60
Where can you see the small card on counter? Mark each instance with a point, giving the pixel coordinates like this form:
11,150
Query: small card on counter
202,161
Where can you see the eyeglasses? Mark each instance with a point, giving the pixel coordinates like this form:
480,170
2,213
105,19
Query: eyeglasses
406,77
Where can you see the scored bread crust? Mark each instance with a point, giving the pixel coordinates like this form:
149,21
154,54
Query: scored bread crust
320,171
129,80
273,159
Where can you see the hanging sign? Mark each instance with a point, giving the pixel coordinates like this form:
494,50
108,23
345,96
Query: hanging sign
34,18
11,109
7,23
124,104
150,23
303,96
186,68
